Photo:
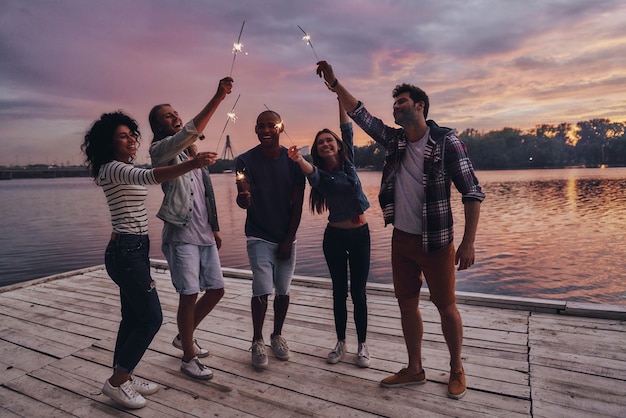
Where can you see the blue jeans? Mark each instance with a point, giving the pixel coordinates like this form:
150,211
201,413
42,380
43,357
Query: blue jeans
127,262
343,247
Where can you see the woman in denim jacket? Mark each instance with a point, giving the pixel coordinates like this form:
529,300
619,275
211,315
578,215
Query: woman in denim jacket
335,186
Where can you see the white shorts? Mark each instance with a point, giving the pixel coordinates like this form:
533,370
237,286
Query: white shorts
193,268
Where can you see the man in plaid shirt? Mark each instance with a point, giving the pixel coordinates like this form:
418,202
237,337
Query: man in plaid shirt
422,160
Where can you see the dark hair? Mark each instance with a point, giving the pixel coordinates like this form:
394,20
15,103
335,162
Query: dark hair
154,124
417,95
317,202
99,146
272,112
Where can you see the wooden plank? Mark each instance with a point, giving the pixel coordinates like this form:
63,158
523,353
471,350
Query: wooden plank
518,363
52,400
575,391
16,404
16,361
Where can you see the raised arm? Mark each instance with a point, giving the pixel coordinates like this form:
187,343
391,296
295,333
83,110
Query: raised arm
347,100
224,87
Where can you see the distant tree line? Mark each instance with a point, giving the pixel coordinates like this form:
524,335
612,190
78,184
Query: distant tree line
592,143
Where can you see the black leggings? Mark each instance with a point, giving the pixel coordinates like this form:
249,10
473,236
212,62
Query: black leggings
343,246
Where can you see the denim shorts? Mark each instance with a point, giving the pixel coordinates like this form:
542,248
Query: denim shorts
269,273
193,268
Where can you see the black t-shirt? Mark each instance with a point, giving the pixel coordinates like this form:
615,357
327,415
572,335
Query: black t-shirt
271,186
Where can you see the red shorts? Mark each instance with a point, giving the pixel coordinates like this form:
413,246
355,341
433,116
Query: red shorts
408,262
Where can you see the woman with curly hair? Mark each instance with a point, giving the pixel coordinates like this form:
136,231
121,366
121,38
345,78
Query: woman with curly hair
110,147
335,186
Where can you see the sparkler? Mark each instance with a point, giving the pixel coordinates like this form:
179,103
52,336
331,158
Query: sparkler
280,126
229,116
307,38
240,179
237,46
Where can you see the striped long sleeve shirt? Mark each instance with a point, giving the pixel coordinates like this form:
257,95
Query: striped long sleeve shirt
125,191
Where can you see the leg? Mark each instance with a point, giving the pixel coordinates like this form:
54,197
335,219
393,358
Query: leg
440,266
440,276
261,257
281,305
336,259
212,280
452,328
413,331
407,285
258,306
141,305
359,257
205,305
281,278
186,326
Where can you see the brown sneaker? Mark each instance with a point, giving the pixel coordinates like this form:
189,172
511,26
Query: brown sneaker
404,378
456,385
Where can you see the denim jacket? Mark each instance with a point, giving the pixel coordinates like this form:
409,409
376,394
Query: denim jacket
341,188
178,200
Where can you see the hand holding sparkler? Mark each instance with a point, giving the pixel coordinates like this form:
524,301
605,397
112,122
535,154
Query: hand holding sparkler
224,88
203,159
242,182
296,155
324,70
243,190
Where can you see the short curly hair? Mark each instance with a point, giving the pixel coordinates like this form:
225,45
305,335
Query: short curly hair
98,146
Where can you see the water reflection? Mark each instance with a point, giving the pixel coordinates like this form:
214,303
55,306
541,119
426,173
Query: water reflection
542,233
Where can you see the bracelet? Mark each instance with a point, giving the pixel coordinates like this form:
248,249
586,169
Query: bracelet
332,86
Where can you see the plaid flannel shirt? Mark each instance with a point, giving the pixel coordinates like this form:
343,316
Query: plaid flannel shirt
445,161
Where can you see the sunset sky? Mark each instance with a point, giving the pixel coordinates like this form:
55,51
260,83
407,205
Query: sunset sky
486,64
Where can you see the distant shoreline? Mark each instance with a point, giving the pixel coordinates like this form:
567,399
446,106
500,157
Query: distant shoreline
48,172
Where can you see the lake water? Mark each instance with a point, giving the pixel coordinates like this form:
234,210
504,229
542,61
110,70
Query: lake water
556,234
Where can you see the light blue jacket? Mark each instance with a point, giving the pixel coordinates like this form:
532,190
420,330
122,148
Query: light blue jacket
178,200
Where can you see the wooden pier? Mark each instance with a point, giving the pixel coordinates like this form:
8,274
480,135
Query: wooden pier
523,358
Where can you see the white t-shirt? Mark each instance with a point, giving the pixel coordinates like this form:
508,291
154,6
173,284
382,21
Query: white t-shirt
198,231
409,190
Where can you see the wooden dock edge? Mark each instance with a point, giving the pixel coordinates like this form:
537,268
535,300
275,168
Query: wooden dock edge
559,307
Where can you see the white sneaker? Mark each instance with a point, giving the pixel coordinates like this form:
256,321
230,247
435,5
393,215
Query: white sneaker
280,347
200,352
125,394
143,386
196,369
259,358
363,356
337,353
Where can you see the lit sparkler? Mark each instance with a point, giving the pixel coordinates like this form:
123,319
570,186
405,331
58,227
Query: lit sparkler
307,38
237,47
240,179
279,125
229,116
